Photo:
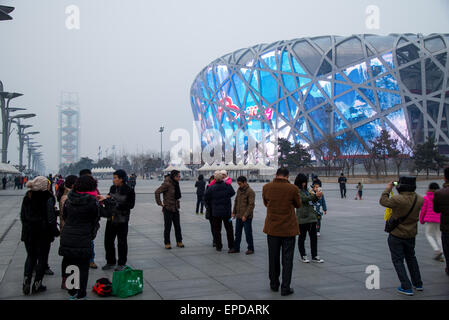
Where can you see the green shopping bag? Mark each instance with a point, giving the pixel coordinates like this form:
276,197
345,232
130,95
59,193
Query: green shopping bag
127,283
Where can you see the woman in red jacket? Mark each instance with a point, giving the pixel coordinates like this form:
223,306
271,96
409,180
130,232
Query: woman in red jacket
432,220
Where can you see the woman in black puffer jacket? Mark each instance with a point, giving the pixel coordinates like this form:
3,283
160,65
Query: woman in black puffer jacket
81,223
39,228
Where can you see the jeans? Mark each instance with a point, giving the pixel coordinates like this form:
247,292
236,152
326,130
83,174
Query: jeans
37,257
92,259
239,226
312,230
401,249
445,242
83,266
119,231
199,201
318,224
343,190
169,219
275,244
216,225
433,236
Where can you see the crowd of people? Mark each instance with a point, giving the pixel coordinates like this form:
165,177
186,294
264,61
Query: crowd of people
79,211
293,211
18,181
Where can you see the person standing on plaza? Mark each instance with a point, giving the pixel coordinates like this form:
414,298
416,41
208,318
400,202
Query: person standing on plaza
316,180
117,225
67,187
359,193
92,264
342,182
244,204
81,223
218,198
441,205
432,221
39,228
4,182
320,208
171,192
307,220
401,240
280,197
209,212
133,181
200,186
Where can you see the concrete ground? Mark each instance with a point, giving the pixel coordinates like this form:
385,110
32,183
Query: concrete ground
352,239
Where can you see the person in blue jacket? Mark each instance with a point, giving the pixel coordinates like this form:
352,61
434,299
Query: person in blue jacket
320,207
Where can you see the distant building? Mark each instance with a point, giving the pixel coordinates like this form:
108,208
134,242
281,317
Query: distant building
308,89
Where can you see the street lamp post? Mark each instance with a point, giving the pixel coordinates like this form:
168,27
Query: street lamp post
6,121
4,12
161,130
21,133
25,136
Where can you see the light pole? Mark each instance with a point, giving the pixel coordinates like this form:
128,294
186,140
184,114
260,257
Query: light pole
6,119
25,137
161,130
21,133
4,13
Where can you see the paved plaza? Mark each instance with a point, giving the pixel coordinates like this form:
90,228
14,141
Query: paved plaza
352,238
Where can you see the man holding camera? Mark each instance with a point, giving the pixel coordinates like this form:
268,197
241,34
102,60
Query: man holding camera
402,228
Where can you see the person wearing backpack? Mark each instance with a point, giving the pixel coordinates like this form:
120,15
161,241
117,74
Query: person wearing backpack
403,228
39,228
81,217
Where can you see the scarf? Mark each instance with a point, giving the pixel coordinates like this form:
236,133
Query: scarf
92,193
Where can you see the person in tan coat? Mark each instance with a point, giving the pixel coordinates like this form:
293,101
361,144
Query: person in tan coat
281,226
406,207
243,212
170,207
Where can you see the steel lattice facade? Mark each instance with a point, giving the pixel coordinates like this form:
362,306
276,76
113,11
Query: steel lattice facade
309,89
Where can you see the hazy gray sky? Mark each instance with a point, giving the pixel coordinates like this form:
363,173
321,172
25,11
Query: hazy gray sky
133,62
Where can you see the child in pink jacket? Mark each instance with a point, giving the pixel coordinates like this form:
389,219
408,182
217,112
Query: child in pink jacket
432,221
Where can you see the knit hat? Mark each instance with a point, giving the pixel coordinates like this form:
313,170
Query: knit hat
218,176
39,183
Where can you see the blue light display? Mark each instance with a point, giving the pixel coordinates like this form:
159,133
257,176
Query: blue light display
296,90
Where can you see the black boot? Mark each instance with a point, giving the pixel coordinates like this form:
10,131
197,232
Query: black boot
38,287
26,286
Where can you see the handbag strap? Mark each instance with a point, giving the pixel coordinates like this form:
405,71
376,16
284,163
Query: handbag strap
410,211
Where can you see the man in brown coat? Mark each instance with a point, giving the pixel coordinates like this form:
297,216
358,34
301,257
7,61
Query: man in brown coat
281,226
170,207
401,240
243,212
441,205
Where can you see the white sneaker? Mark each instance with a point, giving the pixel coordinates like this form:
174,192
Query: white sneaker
304,259
318,234
317,260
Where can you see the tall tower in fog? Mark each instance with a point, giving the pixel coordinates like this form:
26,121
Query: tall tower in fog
68,128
